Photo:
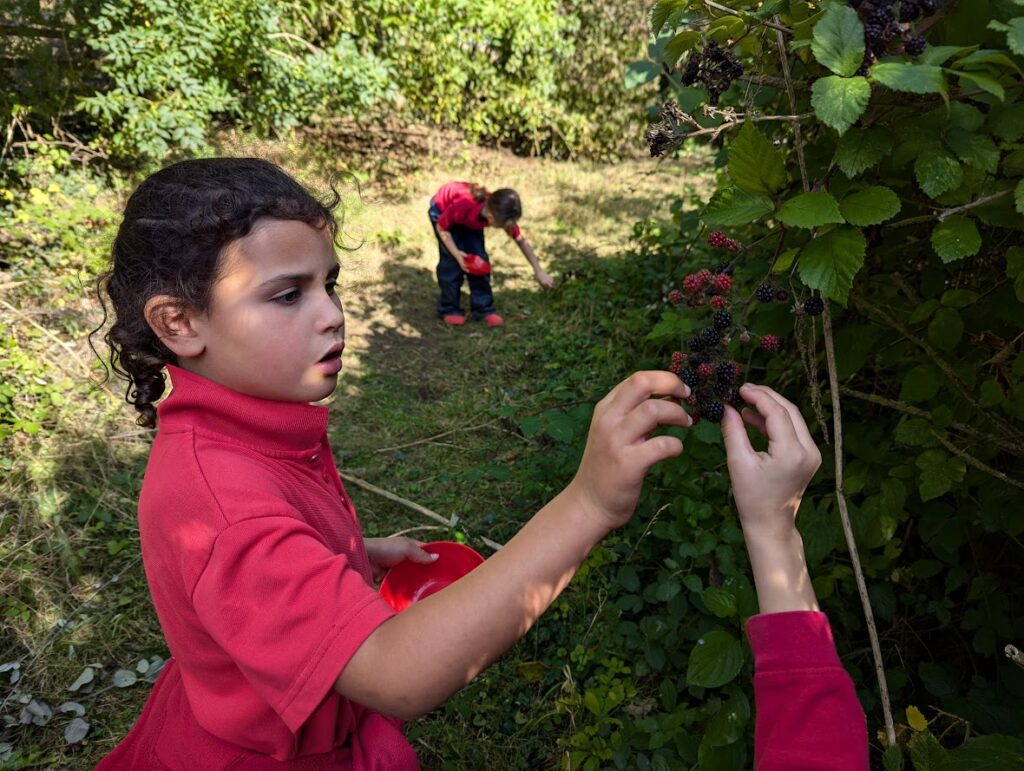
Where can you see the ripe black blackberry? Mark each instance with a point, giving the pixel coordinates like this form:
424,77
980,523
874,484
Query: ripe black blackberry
909,11
690,377
710,336
914,46
714,411
814,306
736,400
727,371
695,343
692,70
722,320
722,390
765,293
724,267
700,358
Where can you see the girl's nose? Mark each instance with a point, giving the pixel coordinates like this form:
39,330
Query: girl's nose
332,315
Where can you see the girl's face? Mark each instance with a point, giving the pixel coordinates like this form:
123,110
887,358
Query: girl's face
275,328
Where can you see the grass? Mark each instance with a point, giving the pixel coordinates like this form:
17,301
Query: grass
429,413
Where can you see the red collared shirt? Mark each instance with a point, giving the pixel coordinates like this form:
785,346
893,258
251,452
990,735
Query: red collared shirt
263,588
459,207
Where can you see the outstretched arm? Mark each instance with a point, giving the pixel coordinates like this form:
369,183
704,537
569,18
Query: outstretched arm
538,273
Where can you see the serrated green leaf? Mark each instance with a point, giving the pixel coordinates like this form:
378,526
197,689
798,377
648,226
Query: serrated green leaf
809,210
732,206
661,12
754,163
988,752
838,39
892,758
937,172
870,206
785,261
1015,35
1008,122
829,263
913,78
984,82
839,102
986,56
973,149
678,45
860,149
956,237
716,659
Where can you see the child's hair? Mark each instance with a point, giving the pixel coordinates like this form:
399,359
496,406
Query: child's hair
175,226
505,205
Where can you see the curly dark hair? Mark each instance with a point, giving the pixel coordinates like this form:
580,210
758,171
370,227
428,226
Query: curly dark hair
176,224
505,205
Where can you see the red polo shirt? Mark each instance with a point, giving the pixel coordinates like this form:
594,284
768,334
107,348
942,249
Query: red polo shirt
459,207
263,588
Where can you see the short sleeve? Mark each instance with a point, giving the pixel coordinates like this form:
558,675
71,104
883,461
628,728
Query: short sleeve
286,609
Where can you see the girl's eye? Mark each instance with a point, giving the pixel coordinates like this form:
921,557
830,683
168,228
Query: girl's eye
288,298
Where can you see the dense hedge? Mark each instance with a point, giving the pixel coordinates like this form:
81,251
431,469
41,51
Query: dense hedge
139,81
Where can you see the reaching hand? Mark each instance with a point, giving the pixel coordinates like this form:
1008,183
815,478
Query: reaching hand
768,485
619,448
385,553
543,279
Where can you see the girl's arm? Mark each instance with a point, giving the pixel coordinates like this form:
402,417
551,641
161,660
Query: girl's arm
808,714
538,273
449,243
417,659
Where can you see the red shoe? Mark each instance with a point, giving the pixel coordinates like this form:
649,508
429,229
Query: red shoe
494,320
454,320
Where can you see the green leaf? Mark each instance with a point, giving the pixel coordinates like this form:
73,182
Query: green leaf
926,753
809,210
939,54
870,206
958,298
1008,122
661,12
729,723
715,660
988,752
956,237
860,149
984,82
920,384
892,758
678,45
639,73
945,329
1018,197
838,39
839,102
785,262
937,172
754,163
915,78
732,206
828,263
1015,35
974,149
986,56
939,473
720,601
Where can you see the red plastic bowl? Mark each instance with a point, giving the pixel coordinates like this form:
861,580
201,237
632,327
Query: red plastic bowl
409,582
477,265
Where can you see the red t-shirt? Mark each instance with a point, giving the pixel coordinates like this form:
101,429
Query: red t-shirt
459,207
263,588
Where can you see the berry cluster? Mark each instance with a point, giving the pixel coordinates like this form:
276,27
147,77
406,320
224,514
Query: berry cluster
719,240
715,67
884,22
704,364
767,293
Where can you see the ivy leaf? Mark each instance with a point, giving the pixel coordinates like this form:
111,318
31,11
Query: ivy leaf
839,102
809,210
956,237
937,172
838,39
914,78
860,149
732,206
828,263
870,206
754,163
715,660
974,149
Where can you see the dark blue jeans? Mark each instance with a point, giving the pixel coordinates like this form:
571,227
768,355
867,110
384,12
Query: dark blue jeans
450,275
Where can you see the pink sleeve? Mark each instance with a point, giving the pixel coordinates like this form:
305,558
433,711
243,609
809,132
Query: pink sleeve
515,232
287,610
808,715
458,212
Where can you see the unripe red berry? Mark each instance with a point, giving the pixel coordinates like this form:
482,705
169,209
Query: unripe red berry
678,357
692,284
733,245
705,371
675,369
675,297
717,239
705,276
718,302
722,283
770,343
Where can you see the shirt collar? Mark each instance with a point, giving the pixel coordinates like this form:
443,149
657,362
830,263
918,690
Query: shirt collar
262,424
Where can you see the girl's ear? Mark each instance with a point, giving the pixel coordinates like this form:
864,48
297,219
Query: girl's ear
170,321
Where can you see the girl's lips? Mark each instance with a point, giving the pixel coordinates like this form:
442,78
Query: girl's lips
330,366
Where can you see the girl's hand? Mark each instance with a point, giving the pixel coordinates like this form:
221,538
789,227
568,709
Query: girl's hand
543,279
619,448
385,553
768,485
460,257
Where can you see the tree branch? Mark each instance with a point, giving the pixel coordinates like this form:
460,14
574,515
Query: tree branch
941,215
731,12
970,460
798,137
851,543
